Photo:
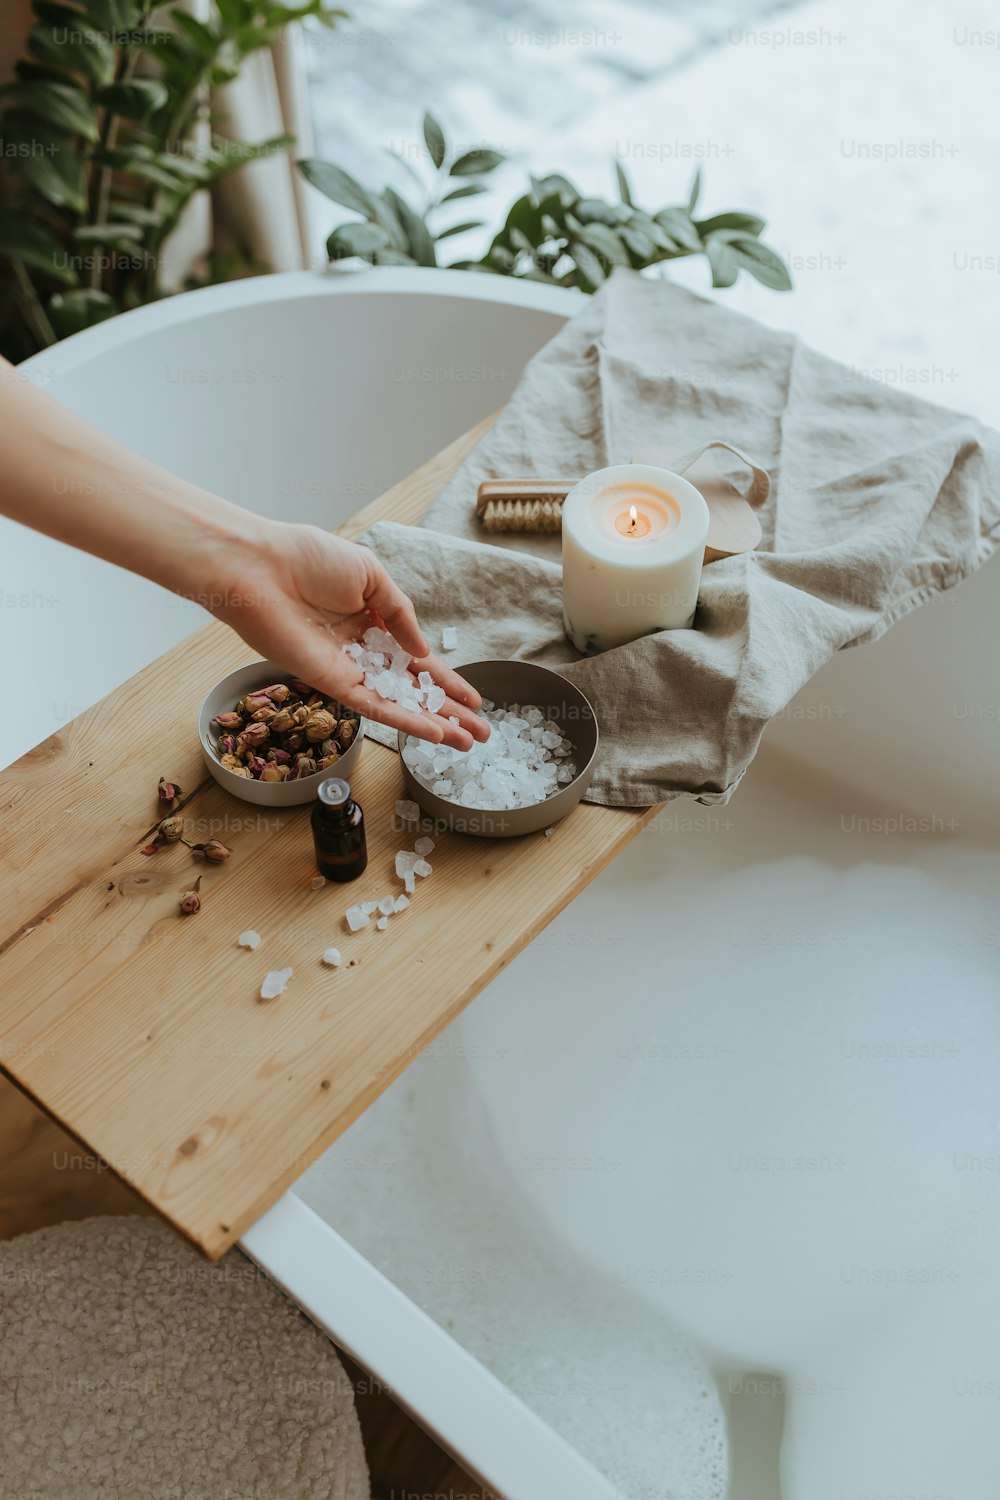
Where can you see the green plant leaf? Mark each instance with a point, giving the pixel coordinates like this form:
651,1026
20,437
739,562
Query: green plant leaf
735,219
135,100
92,57
105,234
553,183
63,105
420,244
722,259
70,312
54,168
390,256
605,243
476,163
640,220
114,16
624,190
590,272
596,211
695,191
762,262
339,185
31,243
235,12
434,139
204,40
134,213
58,14
638,243
467,190
460,228
34,72
356,238
678,225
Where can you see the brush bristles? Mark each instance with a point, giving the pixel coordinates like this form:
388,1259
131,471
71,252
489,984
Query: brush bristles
522,515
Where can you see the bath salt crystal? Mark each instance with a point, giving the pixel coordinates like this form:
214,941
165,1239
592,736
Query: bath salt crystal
274,983
356,918
386,906
423,846
422,868
441,788
435,698
317,883
382,923
405,860
407,811
332,958
409,882
449,638
249,939
402,902
368,907
425,680
384,666
524,761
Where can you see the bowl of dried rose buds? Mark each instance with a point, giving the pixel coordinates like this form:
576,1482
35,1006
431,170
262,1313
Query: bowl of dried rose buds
271,739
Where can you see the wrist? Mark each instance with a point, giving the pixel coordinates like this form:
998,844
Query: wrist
218,553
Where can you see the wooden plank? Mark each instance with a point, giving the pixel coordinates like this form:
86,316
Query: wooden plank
141,1032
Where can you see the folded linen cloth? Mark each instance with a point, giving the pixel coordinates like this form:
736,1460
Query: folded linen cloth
878,502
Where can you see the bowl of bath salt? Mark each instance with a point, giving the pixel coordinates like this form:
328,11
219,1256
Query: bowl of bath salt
535,767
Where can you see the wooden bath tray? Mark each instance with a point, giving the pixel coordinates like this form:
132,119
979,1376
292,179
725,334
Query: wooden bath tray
141,1032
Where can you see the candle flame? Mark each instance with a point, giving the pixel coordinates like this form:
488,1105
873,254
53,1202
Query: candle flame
633,518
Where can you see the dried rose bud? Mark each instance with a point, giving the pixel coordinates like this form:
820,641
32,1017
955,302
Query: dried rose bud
320,725
298,686
272,772
229,721
328,761
253,701
264,715
305,765
215,852
280,757
227,744
231,762
283,721
295,742
170,830
345,732
189,903
278,692
243,771
255,734
256,764
315,700
169,791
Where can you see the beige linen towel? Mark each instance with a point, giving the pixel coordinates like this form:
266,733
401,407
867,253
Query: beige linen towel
878,502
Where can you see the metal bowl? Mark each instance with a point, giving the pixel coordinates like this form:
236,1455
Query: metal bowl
263,793
519,682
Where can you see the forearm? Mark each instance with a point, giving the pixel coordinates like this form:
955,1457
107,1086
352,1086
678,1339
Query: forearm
60,475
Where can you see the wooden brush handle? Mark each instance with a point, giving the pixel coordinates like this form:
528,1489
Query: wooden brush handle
522,489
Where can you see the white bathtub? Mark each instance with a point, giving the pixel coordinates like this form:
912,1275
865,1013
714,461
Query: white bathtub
745,1167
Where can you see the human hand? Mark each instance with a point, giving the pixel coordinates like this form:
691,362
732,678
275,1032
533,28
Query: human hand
298,595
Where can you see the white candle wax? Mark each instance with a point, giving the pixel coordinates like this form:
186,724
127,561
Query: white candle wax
633,543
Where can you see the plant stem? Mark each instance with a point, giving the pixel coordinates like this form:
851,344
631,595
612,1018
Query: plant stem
33,311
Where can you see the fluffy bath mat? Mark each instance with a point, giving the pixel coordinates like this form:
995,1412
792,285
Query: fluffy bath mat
131,1369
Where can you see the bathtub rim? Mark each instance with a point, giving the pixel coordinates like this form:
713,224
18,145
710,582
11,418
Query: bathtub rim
276,288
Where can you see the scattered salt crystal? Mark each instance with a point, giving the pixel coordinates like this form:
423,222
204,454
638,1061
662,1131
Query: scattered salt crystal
425,680
385,669
356,918
402,902
317,883
368,907
422,868
405,860
274,983
423,846
407,811
449,638
548,833
249,939
382,923
333,958
386,906
435,698
409,883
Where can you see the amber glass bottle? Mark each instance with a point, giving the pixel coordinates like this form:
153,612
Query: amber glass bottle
338,826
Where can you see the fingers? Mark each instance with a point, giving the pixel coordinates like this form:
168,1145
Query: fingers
423,726
455,686
393,607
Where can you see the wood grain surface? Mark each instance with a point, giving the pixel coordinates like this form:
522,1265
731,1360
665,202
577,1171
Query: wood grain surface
141,1031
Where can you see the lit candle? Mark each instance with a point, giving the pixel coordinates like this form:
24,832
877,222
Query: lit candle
633,543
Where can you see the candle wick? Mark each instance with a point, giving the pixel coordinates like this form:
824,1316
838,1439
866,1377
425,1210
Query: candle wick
633,518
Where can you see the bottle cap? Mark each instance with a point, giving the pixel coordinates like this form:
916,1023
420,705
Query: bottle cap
333,792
